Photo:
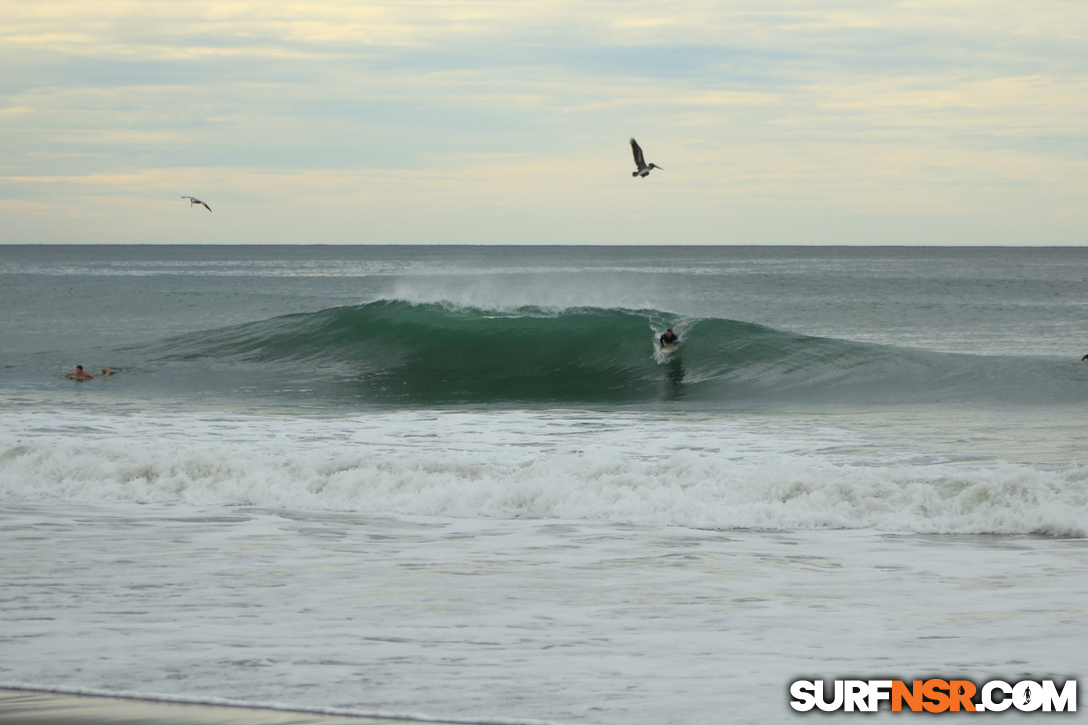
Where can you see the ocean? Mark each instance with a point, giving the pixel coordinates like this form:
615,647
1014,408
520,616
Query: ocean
462,483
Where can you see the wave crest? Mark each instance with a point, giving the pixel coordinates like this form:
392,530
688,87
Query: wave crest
436,353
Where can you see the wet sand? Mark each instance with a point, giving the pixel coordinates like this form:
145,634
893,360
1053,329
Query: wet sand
30,707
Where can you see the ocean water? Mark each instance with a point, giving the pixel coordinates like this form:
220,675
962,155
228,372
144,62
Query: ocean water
462,483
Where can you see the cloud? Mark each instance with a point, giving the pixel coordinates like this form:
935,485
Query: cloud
485,110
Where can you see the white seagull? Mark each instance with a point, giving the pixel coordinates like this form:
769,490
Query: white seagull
193,201
640,162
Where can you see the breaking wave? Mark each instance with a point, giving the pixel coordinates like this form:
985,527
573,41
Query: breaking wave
395,351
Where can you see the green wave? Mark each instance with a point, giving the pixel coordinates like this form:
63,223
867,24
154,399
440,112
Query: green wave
433,353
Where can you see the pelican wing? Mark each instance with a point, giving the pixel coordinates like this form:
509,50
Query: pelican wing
640,162
194,200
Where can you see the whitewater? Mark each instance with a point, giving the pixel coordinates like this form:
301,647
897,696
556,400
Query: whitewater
462,483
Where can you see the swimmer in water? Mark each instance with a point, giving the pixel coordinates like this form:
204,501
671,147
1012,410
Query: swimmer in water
79,374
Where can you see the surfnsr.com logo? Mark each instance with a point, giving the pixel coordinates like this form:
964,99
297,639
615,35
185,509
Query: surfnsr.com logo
934,696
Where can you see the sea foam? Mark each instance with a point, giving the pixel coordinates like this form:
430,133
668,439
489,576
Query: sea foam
630,468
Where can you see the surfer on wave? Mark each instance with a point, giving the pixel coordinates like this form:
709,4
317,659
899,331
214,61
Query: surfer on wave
668,339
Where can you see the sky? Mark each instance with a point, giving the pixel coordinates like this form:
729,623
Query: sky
951,122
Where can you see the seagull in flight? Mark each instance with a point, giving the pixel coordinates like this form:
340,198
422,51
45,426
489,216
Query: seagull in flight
640,162
193,201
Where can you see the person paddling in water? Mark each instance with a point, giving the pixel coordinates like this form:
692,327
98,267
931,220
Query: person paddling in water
669,338
79,374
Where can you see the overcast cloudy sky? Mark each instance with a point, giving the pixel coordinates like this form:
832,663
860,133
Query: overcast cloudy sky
777,122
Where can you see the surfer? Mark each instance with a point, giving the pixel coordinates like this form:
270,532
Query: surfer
1084,358
669,338
79,374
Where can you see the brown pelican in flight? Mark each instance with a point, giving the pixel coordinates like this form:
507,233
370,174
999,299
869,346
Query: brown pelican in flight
640,162
193,201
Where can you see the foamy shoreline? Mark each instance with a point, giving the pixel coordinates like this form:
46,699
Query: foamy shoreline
474,619
27,706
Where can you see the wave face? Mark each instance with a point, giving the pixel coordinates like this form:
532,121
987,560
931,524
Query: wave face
394,351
